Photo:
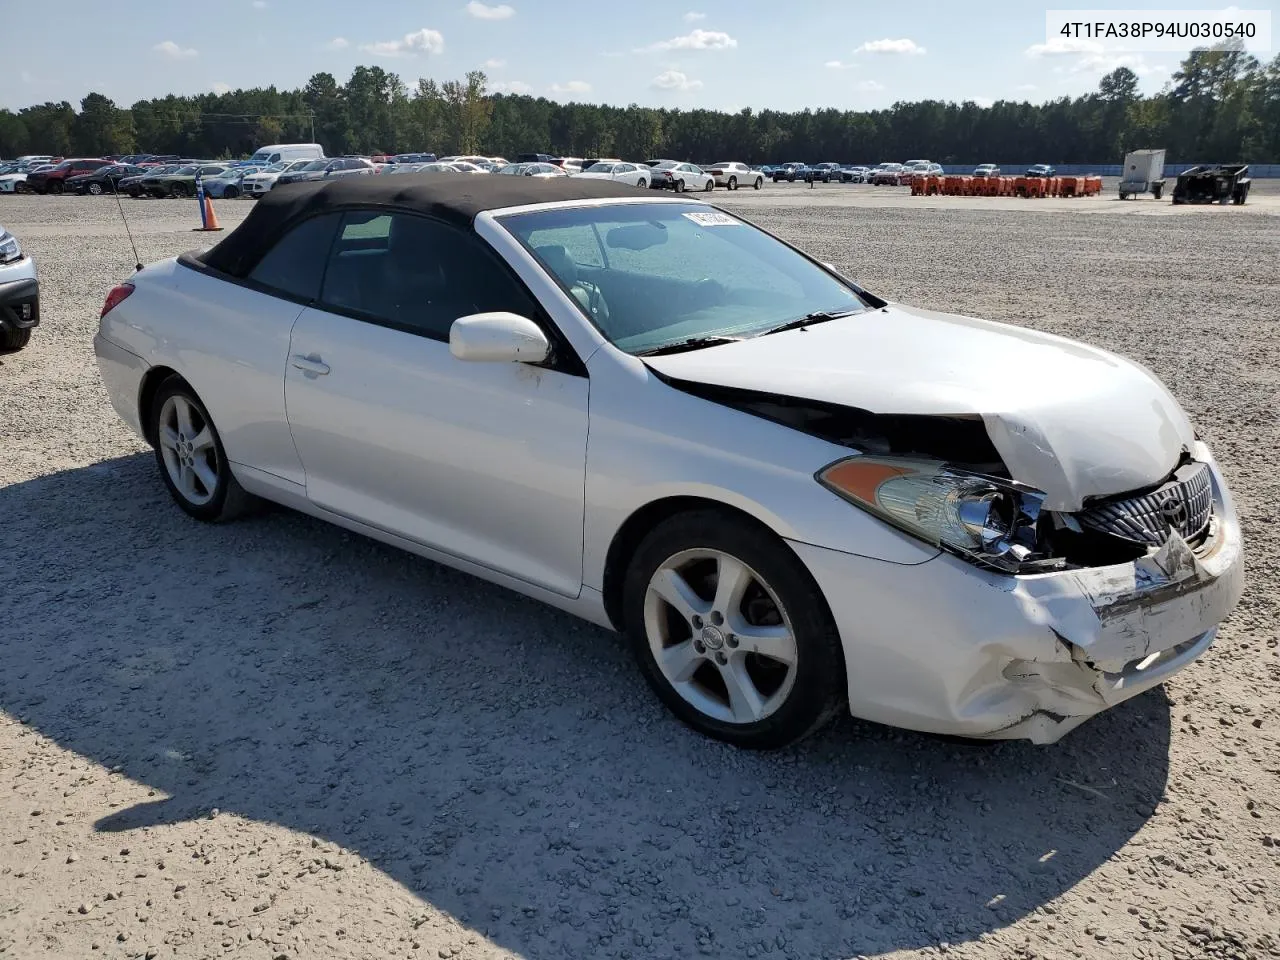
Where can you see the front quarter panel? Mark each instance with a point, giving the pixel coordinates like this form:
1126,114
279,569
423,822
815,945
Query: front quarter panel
650,441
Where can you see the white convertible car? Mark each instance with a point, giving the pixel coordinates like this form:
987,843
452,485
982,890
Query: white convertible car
792,496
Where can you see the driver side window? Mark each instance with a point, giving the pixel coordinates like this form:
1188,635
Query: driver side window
415,274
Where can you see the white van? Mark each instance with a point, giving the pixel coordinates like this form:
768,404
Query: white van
276,152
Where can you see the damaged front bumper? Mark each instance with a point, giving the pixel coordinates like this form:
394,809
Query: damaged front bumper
947,647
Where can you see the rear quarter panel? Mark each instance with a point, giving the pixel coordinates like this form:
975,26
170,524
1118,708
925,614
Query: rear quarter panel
230,343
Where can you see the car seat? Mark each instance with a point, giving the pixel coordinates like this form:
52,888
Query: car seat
556,259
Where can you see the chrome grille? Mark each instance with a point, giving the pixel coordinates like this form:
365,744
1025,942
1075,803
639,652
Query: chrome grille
1184,504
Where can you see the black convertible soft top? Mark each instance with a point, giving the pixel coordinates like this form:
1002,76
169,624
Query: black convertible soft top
454,198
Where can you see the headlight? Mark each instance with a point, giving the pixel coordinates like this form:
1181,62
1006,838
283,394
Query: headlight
9,249
985,519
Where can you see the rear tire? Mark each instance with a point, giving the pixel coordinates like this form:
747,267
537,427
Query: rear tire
189,452
641,183
13,339
786,688
759,182
733,183
679,186
711,185
231,192
95,189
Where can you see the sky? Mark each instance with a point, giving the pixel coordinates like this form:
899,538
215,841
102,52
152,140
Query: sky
676,53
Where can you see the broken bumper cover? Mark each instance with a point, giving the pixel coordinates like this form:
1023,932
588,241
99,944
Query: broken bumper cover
947,647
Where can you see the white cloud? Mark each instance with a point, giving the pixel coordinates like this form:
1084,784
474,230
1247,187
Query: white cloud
571,86
221,87
412,44
482,11
1026,88
868,86
259,4
1078,56
838,65
511,86
694,40
338,43
1058,47
167,48
674,80
693,16
492,64
903,47
983,102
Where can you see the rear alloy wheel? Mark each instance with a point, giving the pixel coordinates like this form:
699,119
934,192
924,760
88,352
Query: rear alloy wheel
759,182
641,183
192,460
230,192
731,631
711,185
733,183
679,186
95,188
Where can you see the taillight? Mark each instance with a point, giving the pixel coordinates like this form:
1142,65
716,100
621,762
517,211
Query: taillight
115,298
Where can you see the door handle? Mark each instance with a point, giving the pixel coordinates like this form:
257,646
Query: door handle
312,364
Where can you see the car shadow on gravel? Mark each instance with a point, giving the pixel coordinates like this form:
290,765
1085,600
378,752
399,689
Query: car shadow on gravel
502,760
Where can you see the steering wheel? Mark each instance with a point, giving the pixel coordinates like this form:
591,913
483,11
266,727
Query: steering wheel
706,292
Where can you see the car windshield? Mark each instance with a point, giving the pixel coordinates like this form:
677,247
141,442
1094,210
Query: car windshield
183,171
600,168
315,165
668,273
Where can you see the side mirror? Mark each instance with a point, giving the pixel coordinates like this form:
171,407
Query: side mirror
498,337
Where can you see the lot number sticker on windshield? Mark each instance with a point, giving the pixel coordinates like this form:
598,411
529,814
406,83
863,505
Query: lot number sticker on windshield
713,219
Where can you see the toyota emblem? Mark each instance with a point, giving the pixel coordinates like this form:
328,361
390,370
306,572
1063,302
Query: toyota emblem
1174,512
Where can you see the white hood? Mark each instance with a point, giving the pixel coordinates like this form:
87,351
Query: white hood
1072,420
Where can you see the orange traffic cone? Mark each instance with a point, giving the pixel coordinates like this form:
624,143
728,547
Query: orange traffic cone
208,219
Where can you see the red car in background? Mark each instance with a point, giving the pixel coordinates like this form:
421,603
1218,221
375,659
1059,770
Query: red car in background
51,181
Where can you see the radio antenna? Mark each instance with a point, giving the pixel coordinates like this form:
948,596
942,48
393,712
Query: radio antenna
137,261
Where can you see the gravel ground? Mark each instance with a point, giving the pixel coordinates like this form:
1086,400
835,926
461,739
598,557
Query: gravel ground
275,739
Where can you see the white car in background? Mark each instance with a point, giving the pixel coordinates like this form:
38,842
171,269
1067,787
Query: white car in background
15,182
734,175
794,497
620,170
256,184
467,166
543,171
677,176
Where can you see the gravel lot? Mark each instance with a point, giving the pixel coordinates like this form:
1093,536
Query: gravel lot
275,739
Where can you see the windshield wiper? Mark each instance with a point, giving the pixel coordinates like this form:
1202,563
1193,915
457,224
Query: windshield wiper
818,316
693,343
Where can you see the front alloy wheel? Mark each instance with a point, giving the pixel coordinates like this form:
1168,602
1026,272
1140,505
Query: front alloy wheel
731,631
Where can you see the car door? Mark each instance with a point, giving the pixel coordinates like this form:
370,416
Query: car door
483,461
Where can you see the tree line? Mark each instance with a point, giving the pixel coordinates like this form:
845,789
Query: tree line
1220,105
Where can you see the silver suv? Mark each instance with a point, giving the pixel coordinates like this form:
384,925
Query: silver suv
19,294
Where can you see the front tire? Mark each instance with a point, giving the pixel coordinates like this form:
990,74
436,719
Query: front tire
230,193
759,182
95,189
710,185
733,183
731,631
193,463
13,339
